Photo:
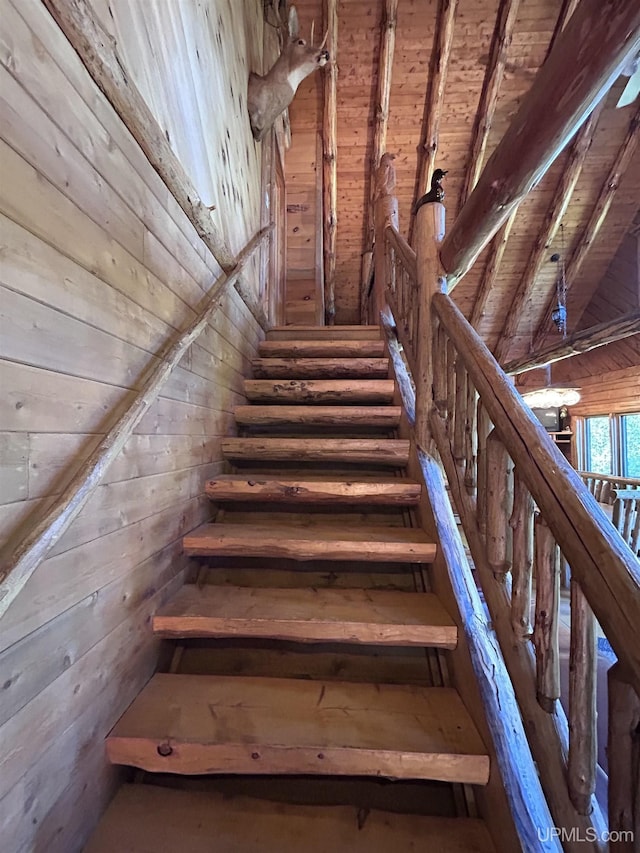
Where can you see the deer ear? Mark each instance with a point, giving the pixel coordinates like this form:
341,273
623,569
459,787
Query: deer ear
293,23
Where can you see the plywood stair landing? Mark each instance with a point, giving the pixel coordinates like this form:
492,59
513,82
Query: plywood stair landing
310,646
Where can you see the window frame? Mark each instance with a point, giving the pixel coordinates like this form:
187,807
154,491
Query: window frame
616,439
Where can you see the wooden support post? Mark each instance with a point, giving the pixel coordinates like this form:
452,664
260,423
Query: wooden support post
623,750
20,559
583,753
484,428
97,50
499,506
580,342
386,213
600,45
329,162
521,523
545,632
429,234
385,65
470,439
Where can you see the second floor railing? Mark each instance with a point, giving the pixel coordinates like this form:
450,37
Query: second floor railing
524,511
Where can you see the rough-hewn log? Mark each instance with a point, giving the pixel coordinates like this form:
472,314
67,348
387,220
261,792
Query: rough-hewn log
623,750
499,506
330,163
484,428
521,522
578,298
601,562
470,438
461,410
518,309
502,35
581,770
579,342
386,213
98,52
567,10
435,92
403,250
21,558
385,65
600,45
546,733
429,233
439,358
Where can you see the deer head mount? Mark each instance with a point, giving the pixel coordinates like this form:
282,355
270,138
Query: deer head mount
268,96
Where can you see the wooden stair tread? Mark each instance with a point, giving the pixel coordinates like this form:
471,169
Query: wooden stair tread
144,818
383,416
376,451
329,368
324,333
224,724
381,544
321,390
235,487
322,349
351,615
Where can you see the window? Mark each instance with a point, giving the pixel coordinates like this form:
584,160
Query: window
610,444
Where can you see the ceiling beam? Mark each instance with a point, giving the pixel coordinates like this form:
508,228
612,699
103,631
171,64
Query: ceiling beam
567,10
582,297
435,93
579,343
381,121
330,161
518,310
502,35
560,99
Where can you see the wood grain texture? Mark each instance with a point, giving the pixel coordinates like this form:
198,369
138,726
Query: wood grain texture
321,349
254,725
143,817
386,417
388,452
345,391
309,368
234,487
308,615
324,333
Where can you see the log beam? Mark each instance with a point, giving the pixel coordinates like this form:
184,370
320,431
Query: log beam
435,93
98,53
329,162
600,45
519,309
502,35
578,298
580,342
381,121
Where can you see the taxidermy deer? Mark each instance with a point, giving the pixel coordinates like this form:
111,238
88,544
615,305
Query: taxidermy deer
268,96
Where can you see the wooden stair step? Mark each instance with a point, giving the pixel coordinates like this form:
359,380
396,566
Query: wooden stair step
340,391
375,451
321,349
366,544
324,333
387,417
235,487
143,818
308,615
319,368
223,724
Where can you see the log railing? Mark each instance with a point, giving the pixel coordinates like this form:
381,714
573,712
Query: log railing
525,511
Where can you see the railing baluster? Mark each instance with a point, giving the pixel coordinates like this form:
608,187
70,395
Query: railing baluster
623,750
499,506
470,438
581,770
461,407
545,631
521,523
451,387
484,428
440,370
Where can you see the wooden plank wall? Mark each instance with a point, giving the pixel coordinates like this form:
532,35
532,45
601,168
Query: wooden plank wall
98,267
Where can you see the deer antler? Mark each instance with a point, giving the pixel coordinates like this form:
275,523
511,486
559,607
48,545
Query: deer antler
313,26
324,40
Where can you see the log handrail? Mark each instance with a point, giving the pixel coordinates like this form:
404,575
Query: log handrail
21,558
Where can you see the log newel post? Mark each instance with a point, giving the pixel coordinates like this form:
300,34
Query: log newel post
385,213
581,771
623,750
430,224
521,523
499,487
545,632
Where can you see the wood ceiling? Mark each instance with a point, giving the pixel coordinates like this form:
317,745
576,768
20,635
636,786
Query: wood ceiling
606,176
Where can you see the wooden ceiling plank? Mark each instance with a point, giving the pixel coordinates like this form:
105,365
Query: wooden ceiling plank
381,121
579,343
502,35
490,274
581,298
435,92
600,46
555,214
329,161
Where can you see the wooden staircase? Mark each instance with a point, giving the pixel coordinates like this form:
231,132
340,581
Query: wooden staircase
310,645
